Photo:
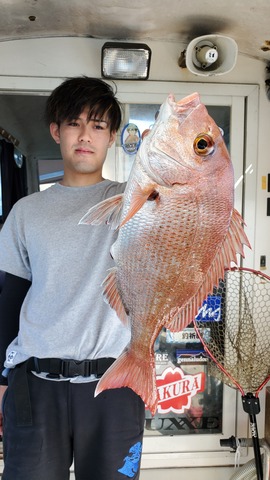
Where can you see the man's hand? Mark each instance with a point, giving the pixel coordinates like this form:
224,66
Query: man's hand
2,391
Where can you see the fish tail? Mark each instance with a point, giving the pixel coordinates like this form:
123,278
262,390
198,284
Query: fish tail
130,371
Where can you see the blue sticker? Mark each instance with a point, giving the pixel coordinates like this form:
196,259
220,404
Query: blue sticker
130,138
210,310
132,462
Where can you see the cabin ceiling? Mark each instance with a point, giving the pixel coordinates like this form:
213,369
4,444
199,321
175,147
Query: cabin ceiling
156,20
142,21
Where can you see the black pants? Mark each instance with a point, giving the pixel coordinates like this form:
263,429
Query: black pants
102,435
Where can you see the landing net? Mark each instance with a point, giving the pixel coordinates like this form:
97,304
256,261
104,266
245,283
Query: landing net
237,339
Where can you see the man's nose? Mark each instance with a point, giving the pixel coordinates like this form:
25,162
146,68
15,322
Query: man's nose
85,134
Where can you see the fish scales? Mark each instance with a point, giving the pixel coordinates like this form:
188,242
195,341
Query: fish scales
178,231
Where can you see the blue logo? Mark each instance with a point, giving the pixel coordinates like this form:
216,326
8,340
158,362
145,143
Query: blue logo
132,462
210,310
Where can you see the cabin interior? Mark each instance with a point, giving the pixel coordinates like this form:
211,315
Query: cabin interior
42,44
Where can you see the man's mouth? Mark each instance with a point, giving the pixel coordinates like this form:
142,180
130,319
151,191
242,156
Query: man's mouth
83,150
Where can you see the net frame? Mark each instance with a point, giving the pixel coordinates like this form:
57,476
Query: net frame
231,340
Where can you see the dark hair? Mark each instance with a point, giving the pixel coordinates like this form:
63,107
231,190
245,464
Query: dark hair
70,98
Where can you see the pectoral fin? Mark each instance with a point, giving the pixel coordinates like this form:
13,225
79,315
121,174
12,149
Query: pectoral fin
107,212
138,198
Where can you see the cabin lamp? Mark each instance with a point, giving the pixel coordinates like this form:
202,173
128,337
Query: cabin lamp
125,61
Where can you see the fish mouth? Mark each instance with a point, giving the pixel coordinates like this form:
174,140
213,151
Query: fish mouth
191,101
182,110
153,174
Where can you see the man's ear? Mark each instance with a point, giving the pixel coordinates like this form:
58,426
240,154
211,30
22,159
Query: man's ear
112,138
55,132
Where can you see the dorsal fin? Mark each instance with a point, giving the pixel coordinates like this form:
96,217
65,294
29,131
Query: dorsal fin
179,318
113,298
106,212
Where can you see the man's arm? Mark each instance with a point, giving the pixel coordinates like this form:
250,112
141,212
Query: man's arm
11,299
2,391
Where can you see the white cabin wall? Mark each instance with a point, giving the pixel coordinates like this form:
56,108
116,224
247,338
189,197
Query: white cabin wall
217,473
41,64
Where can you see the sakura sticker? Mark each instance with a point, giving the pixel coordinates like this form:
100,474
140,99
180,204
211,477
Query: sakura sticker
175,389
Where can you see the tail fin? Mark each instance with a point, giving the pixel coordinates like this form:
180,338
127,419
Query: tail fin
129,371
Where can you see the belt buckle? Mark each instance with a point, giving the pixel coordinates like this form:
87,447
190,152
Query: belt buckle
72,368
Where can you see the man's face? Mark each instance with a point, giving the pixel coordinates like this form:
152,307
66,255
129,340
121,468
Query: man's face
83,144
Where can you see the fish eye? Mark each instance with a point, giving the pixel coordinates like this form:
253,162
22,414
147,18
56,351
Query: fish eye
203,144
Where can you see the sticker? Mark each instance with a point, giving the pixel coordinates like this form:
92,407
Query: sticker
175,389
210,310
130,138
188,335
191,356
161,358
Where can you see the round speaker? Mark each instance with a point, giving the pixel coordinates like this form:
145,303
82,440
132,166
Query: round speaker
211,55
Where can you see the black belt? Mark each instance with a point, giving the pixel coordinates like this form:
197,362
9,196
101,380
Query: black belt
54,367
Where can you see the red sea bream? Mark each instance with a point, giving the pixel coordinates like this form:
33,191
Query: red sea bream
178,230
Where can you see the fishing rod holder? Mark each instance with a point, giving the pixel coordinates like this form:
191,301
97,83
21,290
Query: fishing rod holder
234,442
251,404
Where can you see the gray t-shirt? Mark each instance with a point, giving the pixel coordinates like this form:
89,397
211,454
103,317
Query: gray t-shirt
64,314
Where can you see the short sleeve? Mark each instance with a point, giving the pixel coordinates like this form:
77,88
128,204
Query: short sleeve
13,252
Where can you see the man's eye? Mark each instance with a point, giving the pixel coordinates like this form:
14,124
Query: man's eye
73,124
98,126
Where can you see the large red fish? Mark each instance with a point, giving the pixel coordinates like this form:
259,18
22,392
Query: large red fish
178,230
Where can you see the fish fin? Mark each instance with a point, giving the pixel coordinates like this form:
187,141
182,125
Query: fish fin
113,298
179,318
236,235
129,371
138,198
106,212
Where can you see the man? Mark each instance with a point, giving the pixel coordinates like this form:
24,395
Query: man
57,335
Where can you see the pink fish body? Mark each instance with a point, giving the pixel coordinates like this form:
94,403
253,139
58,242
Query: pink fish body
178,230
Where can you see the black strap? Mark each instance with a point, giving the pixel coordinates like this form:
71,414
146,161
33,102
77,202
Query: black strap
22,396
54,367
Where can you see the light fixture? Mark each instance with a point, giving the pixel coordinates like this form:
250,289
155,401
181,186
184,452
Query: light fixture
125,61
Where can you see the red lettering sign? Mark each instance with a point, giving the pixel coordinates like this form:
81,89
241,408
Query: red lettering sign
175,389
